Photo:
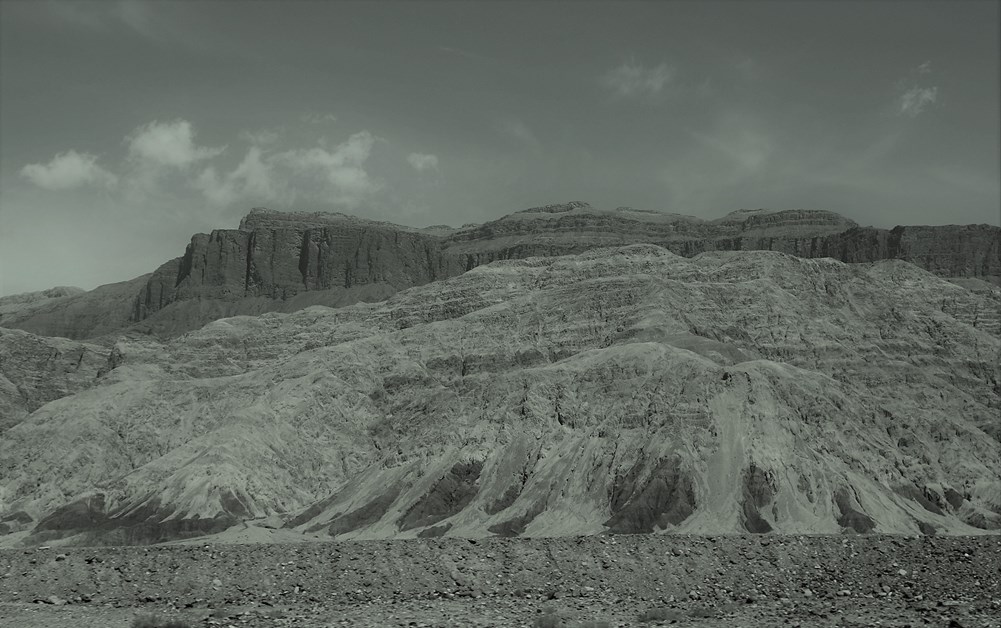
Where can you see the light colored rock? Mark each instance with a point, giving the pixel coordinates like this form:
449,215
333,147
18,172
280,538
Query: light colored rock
627,389
35,370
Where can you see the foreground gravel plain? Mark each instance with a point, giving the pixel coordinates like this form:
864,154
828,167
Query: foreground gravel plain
586,581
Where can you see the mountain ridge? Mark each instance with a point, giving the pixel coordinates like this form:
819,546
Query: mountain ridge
283,261
622,389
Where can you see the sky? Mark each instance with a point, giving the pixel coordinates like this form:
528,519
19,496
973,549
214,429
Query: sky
126,127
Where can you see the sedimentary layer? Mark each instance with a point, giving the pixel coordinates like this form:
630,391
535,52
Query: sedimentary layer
284,261
618,390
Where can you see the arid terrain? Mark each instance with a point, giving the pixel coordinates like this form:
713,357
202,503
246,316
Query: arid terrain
567,415
630,580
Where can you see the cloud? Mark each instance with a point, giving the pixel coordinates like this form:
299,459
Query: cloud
422,161
138,16
913,97
521,132
916,99
282,176
317,118
168,144
69,170
633,80
340,168
263,137
253,178
737,152
163,161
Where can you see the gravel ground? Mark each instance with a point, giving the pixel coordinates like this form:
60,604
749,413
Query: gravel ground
621,580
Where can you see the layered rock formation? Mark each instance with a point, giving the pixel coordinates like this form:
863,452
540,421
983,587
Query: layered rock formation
284,262
279,261
36,369
73,313
620,390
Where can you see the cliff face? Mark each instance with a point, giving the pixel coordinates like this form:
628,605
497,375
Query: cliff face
284,261
620,390
73,313
36,369
947,251
274,263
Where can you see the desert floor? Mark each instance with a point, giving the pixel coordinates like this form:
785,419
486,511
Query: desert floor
621,580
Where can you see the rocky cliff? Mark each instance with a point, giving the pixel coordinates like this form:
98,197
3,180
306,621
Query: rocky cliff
619,390
284,261
37,369
73,313
948,251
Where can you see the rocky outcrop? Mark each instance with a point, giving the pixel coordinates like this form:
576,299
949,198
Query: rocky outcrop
71,312
37,369
285,261
618,390
280,261
947,251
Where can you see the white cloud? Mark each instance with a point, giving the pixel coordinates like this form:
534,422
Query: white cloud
916,99
138,16
341,168
422,161
633,80
924,68
68,170
521,132
736,152
252,179
317,118
263,137
168,144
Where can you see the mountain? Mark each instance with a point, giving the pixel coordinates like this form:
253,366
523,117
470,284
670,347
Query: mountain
73,313
621,390
35,370
284,261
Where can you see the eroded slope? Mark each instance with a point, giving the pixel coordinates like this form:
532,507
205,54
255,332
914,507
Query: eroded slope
623,390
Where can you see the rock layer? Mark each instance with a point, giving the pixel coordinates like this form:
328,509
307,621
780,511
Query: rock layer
72,313
284,261
618,390
35,370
